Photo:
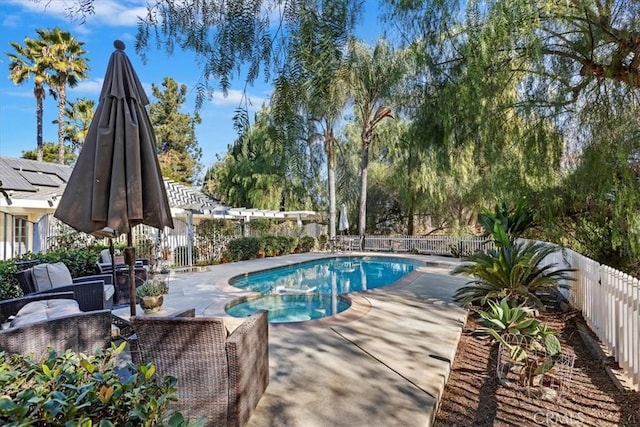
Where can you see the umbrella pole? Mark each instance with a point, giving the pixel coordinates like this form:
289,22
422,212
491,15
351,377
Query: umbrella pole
130,259
112,252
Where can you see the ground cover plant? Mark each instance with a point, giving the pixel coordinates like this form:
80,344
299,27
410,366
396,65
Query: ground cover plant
75,389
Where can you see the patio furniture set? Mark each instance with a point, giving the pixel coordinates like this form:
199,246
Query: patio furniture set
221,374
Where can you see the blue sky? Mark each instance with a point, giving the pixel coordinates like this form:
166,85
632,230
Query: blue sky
115,19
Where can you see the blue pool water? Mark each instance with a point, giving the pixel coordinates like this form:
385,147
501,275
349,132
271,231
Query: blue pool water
291,308
300,292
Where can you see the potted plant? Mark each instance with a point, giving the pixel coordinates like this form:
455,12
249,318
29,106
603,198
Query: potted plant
151,294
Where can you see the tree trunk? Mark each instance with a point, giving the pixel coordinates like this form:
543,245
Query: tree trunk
39,113
412,199
362,214
62,101
329,144
411,214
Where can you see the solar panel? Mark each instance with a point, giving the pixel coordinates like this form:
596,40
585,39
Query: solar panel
12,180
38,178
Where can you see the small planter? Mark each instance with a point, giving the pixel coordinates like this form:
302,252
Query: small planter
151,304
151,295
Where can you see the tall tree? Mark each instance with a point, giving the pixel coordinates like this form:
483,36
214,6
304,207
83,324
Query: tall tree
261,170
373,75
63,58
25,64
570,65
50,154
178,150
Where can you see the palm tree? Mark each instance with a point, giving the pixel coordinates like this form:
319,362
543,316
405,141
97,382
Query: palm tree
327,96
373,75
63,57
78,119
326,110
314,80
26,63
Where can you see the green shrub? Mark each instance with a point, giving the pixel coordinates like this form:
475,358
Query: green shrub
248,247
9,287
506,224
74,389
244,248
307,243
271,246
323,240
287,244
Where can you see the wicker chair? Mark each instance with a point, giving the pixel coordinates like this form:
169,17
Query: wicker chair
221,377
81,332
87,290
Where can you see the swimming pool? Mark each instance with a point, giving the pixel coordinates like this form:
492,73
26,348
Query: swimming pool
321,279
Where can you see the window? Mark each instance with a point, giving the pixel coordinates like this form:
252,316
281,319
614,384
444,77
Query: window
20,228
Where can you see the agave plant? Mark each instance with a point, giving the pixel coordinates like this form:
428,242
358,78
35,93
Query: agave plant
516,272
535,347
506,224
502,319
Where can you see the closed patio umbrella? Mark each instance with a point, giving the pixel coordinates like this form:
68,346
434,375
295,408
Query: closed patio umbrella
343,223
116,182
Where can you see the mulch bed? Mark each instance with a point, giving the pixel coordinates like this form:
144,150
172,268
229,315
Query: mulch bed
474,396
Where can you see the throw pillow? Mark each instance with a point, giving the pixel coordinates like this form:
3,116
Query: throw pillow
105,256
48,276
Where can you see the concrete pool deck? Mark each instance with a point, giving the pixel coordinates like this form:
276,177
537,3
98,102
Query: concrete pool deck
383,362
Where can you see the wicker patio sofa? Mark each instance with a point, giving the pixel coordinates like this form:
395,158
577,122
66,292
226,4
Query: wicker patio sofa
220,376
79,331
93,292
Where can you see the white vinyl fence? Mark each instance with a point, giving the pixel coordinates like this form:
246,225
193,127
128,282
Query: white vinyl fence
610,304
432,245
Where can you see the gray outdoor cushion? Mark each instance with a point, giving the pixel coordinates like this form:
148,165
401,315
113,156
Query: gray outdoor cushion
37,311
48,276
105,256
109,290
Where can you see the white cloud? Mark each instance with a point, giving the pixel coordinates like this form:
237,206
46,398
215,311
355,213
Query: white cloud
106,12
234,98
27,93
88,87
119,13
10,21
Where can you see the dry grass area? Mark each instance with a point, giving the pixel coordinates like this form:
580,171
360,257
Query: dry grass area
473,395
